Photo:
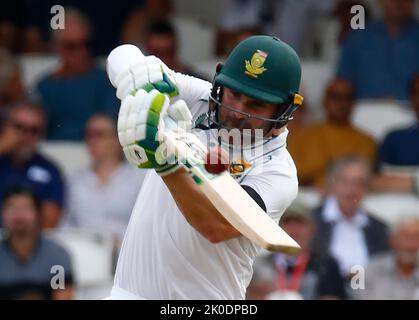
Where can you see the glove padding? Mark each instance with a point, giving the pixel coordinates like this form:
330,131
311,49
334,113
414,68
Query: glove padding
143,119
151,73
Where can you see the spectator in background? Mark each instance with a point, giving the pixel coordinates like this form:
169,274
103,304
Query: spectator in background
78,88
161,42
344,229
107,22
20,161
315,147
401,147
102,196
229,40
11,24
26,257
273,17
308,275
135,27
395,275
381,59
11,84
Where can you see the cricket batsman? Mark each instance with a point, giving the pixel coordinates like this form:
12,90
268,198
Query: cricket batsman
177,245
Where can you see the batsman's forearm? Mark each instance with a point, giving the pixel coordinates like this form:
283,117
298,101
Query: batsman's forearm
197,208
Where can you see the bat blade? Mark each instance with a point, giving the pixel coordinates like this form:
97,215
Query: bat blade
230,199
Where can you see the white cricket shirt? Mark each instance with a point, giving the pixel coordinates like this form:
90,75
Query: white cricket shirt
164,257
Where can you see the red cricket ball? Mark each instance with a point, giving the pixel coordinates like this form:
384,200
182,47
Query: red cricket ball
217,160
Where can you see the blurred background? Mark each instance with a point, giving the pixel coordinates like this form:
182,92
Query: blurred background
66,192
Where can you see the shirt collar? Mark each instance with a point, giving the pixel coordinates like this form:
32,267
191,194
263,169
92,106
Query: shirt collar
332,213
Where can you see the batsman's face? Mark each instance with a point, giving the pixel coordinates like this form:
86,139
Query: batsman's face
242,112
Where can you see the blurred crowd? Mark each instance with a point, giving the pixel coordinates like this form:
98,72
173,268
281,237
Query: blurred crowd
76,102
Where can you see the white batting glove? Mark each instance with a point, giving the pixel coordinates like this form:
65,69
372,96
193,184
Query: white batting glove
143,119
150,73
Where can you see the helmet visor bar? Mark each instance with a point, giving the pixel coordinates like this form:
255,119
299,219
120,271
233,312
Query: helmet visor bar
245,114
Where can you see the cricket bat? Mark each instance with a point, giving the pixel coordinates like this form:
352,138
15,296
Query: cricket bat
227,196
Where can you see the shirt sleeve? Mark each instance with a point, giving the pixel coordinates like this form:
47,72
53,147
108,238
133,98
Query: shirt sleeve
193,90
276,188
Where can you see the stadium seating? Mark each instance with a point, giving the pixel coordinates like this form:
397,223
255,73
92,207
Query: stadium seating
35,67
92,257
309,197
190,32
379,117
387,207
69,156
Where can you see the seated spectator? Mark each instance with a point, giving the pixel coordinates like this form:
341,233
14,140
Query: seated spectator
161,41
11,85
317,146
344,228
229,40
134,29
26,256
309,275
401,147
275,18
102,196
78,89
20,161
107,23
395,275
381,59
11,22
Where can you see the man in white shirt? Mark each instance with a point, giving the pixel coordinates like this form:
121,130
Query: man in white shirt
101,196
177,245
350,234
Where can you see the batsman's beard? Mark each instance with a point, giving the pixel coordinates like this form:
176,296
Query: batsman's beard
245,132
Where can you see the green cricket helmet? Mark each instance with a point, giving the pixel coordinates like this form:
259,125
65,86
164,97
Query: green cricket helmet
264,68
